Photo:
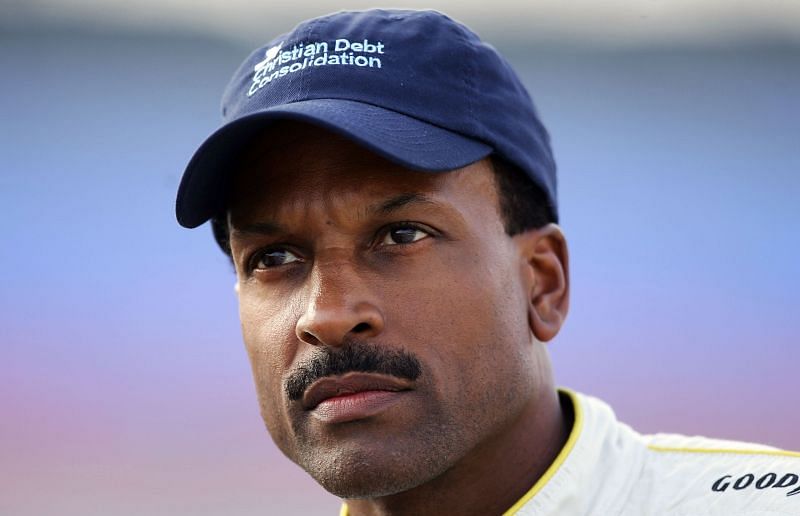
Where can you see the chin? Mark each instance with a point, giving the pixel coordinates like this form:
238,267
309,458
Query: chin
367,484
368,475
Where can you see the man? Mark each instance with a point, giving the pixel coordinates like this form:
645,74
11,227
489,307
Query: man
387,194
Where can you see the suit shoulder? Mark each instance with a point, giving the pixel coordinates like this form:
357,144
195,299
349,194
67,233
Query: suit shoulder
695,475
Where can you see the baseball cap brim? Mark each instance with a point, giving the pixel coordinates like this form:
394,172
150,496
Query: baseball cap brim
405,140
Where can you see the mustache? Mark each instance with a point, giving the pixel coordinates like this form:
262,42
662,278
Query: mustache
354,356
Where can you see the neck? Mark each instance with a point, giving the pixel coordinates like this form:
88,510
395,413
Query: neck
496,474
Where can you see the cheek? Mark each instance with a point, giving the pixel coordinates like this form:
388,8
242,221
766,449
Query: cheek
469,318
268,331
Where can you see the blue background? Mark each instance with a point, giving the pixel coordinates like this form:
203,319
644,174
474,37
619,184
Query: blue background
124,387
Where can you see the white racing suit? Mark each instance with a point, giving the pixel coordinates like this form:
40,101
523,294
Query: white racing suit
607,469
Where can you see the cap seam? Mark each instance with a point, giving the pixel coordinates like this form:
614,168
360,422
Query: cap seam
468,78
305,77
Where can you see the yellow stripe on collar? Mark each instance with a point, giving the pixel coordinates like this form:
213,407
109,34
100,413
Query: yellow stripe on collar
577,427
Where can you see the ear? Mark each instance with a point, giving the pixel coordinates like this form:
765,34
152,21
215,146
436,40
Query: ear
545,265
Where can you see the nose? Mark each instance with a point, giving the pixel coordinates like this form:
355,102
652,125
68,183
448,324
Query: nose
339,306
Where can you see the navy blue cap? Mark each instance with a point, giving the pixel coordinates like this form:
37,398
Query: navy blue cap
413,86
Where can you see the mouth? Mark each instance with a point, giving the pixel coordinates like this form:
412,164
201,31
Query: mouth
352,396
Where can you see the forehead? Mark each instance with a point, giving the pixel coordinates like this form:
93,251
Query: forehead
294,164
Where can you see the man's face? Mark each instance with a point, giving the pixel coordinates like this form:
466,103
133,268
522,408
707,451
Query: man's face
346,261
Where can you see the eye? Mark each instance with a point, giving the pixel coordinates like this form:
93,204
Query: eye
403,234
271,258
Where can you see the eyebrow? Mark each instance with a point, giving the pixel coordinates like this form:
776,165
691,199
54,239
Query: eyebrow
259,228
400,201
384,208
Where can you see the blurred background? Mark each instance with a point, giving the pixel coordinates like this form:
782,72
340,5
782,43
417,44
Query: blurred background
124,386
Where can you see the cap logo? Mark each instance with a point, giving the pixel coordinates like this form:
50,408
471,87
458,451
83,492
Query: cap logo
278,62
271,54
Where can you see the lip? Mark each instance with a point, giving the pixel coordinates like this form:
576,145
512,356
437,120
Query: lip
353,396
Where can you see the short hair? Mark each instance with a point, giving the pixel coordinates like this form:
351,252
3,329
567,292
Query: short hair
523,204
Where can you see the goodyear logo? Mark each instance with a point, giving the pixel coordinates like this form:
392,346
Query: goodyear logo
765,481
